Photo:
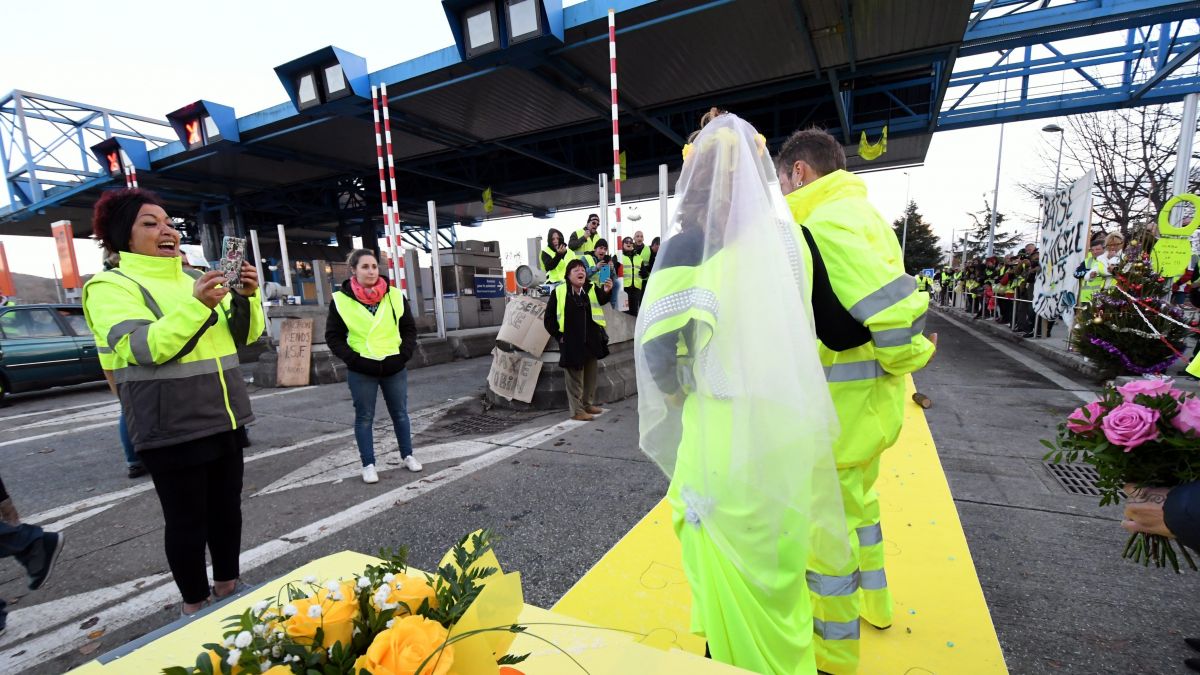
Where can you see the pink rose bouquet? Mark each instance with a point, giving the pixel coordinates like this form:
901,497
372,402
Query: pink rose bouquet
1146,434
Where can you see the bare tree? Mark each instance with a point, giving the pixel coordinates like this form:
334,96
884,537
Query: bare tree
1133,154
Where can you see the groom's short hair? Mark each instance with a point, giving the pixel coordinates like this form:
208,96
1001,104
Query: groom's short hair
814,147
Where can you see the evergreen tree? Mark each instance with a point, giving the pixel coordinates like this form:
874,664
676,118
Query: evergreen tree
1003,243
923,250
1112,331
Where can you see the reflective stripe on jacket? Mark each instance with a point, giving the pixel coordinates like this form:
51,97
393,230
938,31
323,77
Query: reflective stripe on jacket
866,271
174,360
373,336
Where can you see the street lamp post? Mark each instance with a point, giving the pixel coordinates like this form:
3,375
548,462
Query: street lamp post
1055,129
993,221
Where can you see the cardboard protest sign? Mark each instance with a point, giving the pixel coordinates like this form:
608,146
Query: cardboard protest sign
513,375
295,353
522,327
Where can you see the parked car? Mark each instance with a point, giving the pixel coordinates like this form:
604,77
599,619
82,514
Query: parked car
43,346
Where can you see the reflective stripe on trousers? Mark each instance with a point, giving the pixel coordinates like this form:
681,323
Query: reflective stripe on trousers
859,588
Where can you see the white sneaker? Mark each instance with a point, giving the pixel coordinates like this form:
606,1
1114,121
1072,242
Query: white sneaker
369,475
412,464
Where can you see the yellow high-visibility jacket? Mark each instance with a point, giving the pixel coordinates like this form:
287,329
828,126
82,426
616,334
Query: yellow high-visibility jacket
174,360
866,271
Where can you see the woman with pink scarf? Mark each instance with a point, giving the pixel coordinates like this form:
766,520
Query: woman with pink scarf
371,328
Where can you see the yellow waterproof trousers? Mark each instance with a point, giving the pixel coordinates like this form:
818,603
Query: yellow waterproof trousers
859,589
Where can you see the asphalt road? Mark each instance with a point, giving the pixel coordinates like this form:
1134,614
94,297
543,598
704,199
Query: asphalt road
561,494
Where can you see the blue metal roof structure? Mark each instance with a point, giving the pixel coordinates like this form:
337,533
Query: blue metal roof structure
531,122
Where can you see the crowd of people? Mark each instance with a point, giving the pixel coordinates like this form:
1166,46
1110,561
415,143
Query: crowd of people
780,524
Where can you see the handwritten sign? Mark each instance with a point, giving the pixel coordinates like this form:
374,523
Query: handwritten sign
513,375
522,327
1066,220
1171,256
295,353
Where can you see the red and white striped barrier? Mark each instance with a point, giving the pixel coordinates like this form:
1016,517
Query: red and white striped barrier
612,75
389,229
395,246
130,171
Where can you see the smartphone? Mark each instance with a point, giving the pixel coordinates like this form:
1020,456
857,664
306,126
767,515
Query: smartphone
233,254
602,274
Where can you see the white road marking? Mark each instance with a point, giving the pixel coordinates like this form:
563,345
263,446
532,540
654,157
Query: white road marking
421,420
29,621
48,412
106,410
35,650
1078,390
345,463
72,430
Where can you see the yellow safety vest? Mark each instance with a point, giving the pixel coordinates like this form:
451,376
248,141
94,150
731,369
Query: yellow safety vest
560,300
373,336
632,264
1089,287
588,244
559,272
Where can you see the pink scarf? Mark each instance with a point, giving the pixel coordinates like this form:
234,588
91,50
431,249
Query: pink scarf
369,295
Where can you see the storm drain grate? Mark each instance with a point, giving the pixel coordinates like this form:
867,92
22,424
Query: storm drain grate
1078,479
481,424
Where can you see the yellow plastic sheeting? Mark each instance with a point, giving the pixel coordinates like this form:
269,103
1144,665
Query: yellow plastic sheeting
942,624
600,651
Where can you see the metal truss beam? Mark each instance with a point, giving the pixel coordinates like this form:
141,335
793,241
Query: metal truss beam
1063,21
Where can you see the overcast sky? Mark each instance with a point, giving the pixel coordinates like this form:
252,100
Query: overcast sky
152,57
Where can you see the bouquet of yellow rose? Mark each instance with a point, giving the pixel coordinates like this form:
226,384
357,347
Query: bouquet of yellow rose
384,621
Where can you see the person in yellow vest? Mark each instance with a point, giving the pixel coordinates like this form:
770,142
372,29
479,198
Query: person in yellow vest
631,277
371,328
584,239
575,318
170,339
867,383
555,256
599,264
726,359
1088,272
6,301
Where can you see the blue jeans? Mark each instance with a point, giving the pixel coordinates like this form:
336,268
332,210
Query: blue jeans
616,292
131,458
364,389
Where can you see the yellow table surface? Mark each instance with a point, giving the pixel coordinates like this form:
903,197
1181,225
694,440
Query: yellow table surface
942,624
600,651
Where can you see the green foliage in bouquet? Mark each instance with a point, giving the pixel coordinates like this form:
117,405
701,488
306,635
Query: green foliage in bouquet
1146,434
1112,331
327,629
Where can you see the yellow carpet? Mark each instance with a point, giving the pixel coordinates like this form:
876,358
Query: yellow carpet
942,622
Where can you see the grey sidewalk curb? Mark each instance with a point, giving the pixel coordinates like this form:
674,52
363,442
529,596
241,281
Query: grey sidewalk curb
1073,361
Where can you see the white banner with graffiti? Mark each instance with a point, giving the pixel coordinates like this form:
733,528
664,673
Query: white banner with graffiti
1066,220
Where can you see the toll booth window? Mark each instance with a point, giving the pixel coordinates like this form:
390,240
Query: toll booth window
523,18
211,132
335,81
481,29
75,321
306,88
